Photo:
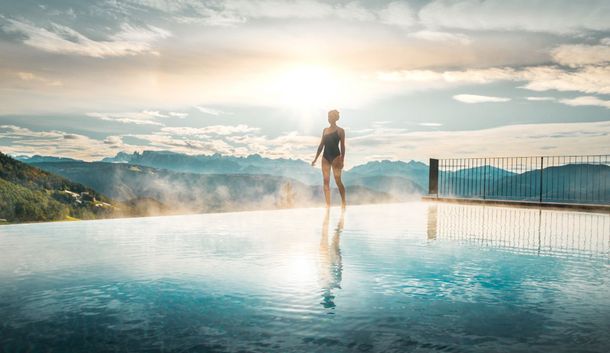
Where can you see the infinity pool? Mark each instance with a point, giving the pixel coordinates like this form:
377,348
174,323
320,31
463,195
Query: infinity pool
412,277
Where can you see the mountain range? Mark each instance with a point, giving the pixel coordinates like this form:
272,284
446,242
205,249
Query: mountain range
194,192
297,169
162,182
401,180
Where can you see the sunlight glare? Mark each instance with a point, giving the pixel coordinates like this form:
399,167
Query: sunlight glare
308,87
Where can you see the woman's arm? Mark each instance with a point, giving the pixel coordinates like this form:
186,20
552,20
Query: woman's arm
320,147
342,156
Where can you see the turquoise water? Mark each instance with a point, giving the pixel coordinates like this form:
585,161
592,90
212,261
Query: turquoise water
413,277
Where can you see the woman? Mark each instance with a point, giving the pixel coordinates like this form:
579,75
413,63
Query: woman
332,157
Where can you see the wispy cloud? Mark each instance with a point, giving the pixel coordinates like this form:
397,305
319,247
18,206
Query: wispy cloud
210,111
586,101
29,76
587,79
56,38
397,14
541,99
438,36
473,98
453,76
552,16
24,141
577,55
144,117
394,13
392,143
235,12
212,129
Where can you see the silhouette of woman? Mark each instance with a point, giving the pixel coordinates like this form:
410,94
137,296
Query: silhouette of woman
332,157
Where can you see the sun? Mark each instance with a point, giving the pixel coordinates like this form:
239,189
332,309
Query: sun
308,86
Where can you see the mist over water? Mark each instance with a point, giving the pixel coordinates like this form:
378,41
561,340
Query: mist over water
380,278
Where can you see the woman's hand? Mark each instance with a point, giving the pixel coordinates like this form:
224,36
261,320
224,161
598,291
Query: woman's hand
313,163
341,161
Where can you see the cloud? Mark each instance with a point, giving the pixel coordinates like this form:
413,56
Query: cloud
71,137
355,11
397,14
235,12
279,9
540,99
29,76
210,111
187,11
473,98
23,141
212,129
113,140
394,13
437,36
552,16
190,144
430,124
145,117
577,55
56,38
586,101
587,79
462,76
242,65
382,140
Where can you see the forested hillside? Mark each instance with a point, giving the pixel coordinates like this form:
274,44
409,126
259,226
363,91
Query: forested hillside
29,194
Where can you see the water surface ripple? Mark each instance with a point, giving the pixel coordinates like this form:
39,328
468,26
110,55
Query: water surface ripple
412,277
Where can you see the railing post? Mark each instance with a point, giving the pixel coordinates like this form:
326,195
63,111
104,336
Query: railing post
433,177
484,177
541,168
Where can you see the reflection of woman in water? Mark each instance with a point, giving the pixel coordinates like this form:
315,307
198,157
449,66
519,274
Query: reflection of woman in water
332,157
330,266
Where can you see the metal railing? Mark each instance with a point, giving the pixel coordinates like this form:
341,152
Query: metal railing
547,179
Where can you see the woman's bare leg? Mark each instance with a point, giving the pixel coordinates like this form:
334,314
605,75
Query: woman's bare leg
337,174
326,175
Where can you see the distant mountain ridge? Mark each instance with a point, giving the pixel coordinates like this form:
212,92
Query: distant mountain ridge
41,159
161,182
195,192
220,164
379,173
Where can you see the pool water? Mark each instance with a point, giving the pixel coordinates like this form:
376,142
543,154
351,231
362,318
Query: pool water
411,277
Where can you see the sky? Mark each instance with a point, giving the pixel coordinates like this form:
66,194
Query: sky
412,79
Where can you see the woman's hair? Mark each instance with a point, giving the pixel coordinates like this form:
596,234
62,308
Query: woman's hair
334,113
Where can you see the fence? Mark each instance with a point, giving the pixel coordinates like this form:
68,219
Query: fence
548,179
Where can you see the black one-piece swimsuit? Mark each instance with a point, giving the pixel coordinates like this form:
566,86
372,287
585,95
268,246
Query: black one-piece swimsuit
331,146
